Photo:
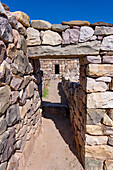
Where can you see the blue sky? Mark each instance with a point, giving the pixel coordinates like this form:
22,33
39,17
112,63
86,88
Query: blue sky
64,10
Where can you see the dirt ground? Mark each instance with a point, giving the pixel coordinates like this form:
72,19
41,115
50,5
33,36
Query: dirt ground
54,148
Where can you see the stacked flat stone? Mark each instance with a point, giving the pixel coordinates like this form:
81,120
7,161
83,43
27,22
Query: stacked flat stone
20,112
77,103
67,67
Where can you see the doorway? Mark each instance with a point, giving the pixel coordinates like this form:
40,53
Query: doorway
56,68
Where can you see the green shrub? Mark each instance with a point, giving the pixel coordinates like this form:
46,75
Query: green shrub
45,94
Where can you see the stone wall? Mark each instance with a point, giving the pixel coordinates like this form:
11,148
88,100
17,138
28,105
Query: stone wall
77,107
20,112
93,45
91,103
67,67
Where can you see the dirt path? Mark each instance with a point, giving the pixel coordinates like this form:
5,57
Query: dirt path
54,148
55,93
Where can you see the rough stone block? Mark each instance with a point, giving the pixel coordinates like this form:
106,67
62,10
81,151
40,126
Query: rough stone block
12,20
91,163
40,24
85,33
107,59
50,38
87,48
95,116
94,129
3,166
104,79
5,101
15,96
16,83
3,125
21,64
107,120
93,86
33,37
2,51
107,43
71,36
98,70
24,109
103,30
30,90
59,27
23,97
96,140
90,59
6,33
76,23
102,152
11,50
21,29
12,115
100,100
22,18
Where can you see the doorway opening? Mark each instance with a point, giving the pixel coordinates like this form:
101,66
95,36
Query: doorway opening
56,68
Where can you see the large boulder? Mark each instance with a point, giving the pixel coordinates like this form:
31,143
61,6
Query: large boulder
50,38
86,33
82,49
71,36
5,101
40,24
22,17
33,37
5,30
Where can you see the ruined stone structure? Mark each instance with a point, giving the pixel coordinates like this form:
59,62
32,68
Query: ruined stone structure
91,102
56,68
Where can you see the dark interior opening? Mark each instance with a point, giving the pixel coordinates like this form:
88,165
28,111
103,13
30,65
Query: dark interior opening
56,68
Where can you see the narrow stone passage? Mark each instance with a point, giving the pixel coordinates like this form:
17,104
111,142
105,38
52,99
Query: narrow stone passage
54,148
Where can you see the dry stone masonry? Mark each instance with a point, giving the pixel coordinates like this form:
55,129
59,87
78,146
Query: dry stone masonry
56,68
20,111
22,44
91,101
